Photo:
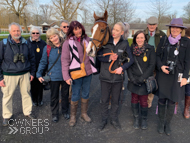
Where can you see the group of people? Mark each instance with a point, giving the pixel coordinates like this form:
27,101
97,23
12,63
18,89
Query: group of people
152,53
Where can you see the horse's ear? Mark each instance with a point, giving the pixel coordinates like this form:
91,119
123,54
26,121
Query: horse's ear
106,15
95,17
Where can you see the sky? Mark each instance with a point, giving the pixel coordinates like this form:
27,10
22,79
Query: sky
141,7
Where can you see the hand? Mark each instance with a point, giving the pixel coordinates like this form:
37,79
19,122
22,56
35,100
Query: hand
69,81
31,78
183,82
2,83
113,57
118,70
164,69
41,79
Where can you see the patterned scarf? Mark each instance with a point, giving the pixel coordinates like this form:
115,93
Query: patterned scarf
137,51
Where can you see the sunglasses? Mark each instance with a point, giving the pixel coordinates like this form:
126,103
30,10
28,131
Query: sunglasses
35,33
65,26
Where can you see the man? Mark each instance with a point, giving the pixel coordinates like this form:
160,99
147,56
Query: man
153,35
64,26
17,67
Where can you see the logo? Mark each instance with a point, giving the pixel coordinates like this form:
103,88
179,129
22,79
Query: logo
24,126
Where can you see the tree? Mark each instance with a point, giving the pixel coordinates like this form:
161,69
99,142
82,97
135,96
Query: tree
159,8
46,12
18,7
67,9
187,12
118,10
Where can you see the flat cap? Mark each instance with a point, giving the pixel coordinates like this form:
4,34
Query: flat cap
152,20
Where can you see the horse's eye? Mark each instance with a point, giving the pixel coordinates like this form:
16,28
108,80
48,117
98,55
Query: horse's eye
102,30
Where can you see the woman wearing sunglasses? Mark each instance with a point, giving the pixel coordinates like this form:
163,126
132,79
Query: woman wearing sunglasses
37,45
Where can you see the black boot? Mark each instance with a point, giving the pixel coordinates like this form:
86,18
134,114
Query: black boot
144,114
135,109
102,125
161,116
169,115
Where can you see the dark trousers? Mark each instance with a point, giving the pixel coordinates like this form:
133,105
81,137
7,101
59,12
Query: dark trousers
55,88
107,89
36,91
164,100
142,99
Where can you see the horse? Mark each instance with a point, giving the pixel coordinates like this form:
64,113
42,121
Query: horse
100,34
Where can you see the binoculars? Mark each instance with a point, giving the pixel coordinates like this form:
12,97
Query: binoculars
19,57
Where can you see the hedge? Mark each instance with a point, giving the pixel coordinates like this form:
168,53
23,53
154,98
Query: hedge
43,37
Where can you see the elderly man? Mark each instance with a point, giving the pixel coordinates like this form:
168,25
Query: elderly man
17,67
153,35
64,26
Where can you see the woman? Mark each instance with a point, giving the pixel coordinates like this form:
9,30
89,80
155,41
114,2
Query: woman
37,45
55,42
187,87
111,83
71,58
145,60
173,64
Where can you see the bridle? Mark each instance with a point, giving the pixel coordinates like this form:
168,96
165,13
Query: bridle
100,42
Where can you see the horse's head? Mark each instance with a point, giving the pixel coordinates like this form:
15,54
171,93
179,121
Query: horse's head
100,34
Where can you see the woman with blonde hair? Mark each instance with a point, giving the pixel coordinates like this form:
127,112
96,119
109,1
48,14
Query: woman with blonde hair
111,83
51,57
173,64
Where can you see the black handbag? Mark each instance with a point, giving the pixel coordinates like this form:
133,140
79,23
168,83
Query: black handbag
151,83
47,78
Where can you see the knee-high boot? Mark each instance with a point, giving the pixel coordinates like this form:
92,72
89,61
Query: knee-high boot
73,112
84,108
144,114
186,109
161,116
135,109
169,115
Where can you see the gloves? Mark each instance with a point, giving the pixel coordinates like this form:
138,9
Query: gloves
136,82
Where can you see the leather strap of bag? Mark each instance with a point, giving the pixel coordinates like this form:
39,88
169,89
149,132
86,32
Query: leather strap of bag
138,65
55,61
84,52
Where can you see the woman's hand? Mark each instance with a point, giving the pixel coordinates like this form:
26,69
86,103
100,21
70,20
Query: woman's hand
183,82
113,57
164,69
118,70
41,79
69,81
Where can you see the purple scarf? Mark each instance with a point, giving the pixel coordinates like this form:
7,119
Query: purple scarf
172,40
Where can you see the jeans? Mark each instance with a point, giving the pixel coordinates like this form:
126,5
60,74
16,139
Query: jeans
83,83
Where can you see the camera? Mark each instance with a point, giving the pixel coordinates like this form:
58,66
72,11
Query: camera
46,82
171,65
19,57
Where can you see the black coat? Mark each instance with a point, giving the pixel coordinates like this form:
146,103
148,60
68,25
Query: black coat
147,68
7,55
168,85
119,48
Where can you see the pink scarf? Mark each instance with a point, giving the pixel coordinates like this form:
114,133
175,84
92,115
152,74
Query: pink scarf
175,40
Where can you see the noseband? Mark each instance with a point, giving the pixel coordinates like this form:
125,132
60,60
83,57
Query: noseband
100,42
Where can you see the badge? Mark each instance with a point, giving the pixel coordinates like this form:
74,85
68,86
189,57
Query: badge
176,52
38,50
145,58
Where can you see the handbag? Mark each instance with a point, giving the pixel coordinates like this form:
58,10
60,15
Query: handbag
151,83
47,78
80,73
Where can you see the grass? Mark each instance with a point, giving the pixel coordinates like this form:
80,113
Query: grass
43,37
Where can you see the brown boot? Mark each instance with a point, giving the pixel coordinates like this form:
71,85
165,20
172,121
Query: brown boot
84,107
186,109
73,110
